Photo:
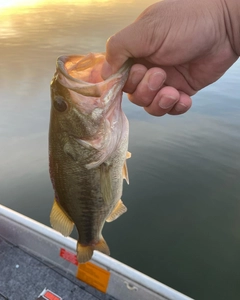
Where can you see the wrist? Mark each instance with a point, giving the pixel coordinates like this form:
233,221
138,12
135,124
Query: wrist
232,22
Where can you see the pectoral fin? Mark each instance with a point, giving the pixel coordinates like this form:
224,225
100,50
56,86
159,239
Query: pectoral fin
60,221
118,210
69,150
91,144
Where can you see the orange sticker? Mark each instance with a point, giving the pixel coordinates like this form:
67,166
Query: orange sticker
94,276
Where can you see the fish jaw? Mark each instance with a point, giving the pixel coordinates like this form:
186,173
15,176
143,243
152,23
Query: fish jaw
82,74
89,93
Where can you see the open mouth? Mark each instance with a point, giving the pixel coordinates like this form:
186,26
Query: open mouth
85,68
82,74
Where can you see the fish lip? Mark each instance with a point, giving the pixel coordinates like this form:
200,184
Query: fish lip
96,87
60,66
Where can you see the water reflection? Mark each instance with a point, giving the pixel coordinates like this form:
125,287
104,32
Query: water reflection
182,225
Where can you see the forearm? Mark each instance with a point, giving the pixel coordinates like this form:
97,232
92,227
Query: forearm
232,21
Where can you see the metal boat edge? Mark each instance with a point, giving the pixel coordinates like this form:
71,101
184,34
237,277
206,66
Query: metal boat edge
45,243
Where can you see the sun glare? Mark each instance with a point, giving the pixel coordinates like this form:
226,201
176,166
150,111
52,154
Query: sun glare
14,3
24,3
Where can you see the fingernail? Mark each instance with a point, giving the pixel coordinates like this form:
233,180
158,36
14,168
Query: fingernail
155,81
180,107
106,70
167,102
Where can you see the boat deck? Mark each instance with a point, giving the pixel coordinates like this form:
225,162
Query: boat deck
24,276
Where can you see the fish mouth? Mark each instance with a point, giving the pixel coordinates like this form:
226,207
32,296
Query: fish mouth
82,74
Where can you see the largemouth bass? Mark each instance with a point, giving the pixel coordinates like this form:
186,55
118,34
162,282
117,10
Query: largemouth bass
88,143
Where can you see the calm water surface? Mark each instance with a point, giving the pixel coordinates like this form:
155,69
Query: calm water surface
183,221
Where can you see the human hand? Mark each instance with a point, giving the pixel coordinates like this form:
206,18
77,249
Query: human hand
178,48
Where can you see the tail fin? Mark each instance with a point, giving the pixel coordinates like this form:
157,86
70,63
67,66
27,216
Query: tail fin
102,246
84,253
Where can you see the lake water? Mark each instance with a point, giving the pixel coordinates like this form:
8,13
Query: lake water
183,221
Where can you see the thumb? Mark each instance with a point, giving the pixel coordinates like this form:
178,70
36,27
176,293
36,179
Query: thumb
138,40
116,55
119,48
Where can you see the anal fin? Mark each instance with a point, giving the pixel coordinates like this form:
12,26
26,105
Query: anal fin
118,210
60,221
85,253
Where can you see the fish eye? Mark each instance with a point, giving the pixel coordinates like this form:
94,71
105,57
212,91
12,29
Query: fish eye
60,104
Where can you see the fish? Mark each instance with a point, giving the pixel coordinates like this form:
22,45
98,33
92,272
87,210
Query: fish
88,149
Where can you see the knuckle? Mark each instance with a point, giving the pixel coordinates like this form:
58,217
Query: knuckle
139,100
112,43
